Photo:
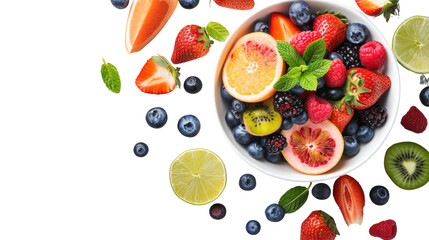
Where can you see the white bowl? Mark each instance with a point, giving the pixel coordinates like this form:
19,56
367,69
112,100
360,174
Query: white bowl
390,99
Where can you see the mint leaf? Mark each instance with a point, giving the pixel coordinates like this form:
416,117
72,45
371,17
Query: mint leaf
110,76
217,31
289,54
308,81
294,198
320,67
289,80
315,51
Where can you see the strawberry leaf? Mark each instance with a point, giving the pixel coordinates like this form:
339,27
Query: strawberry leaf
289,80
308,81
320,67
110,76
330,221
315,51
289,54
217,31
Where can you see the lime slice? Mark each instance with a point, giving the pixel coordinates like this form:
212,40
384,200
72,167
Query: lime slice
198,176
411,44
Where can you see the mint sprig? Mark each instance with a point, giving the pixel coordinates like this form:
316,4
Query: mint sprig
294,198
217,31
110,76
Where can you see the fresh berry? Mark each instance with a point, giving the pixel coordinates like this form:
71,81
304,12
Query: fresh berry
349,196
192,42
253,227
334,94
372,55
141,149
236,4
189,125
306,27
351,146
288,104
261,26
301,40
255,150
379,195
274,212
275,143
282,28
120,4
247,182
320,82
189,4
299,13
350,54
225,94
334,55
333,30
379,7
318,109
287,124
232,118
241,135
321,191
238,105
337,74
297,89
300,119
158,76
193,85
313,17
274,157
156,117
319,226
414,120
351,128
263,140
365,134
424,96
341,115
374,116
217,211
357,33
385,230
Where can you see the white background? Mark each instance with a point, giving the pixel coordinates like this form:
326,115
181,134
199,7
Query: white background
67,169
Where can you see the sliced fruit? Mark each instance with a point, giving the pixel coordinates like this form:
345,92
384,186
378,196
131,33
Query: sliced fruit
410,44
198,176
145,21
313,148
260,118
379,7
252,67
349,196
282,28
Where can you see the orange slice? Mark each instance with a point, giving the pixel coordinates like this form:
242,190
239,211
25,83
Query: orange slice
252,67
145,21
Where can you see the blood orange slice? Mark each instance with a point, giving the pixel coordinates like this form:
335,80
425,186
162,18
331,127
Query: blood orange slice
313,148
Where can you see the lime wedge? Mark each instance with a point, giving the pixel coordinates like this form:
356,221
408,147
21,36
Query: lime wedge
411,44
198,176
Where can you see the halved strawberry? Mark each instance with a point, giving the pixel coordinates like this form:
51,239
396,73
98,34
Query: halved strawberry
349,196
282,28
158,76
378,7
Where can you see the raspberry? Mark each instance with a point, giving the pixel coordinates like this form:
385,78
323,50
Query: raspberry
275,143
385,230
372,55
318,109
288,104
336,76
301,40
414,120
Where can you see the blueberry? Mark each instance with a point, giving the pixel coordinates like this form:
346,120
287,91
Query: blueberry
141,149
273,158
351,146
306,27
357,33
299,13
193,85
322,92
379,195
217,211
320,82
301,118
255,150
189,125
253,227
263,140
334,55
287,124
232,118
335,94
274,212
156,117
241,135
247,182
261,26
313,17
351,128
321,191
424,96
120,4
297,89
365,134
238,105
225,94
189,4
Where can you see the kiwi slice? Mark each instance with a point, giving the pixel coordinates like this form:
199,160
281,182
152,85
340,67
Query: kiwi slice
407,165
260,118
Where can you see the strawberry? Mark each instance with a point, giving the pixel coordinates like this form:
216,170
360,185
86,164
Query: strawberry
341,115
319,226
282,28
365,87
158,76
318,109
333,30
378,7
192,42
385,230
349,196
236,4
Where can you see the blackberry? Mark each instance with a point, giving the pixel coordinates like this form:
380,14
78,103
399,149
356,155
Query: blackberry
288,104
350,54
275,143
374,116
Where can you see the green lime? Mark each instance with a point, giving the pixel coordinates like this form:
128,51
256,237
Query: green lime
411,44
198,176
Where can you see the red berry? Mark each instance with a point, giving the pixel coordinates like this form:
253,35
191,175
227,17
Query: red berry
414,120
372,55
385,230
301,40
318,109
337,74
